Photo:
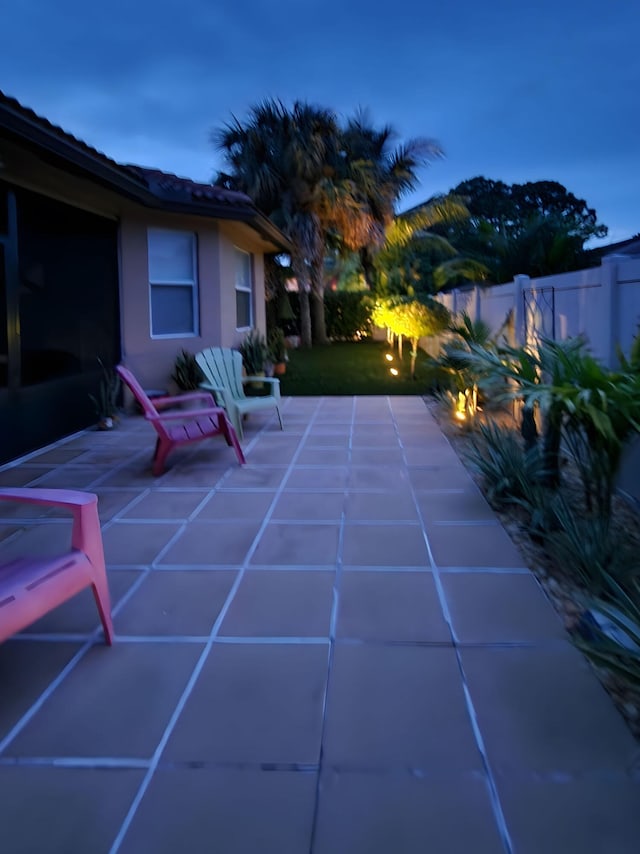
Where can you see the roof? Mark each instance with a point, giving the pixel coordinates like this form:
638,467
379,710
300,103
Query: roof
150,187
629,247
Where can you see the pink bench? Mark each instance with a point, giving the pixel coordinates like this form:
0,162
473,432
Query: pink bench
32,586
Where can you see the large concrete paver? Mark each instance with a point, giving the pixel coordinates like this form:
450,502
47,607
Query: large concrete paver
336,648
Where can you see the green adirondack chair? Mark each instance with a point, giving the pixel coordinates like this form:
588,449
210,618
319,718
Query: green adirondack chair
222,368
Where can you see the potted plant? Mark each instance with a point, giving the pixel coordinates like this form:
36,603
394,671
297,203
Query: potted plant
106,400
186,372
278,351
254,352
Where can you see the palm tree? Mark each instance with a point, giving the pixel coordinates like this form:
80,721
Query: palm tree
410,257
370,175
279,158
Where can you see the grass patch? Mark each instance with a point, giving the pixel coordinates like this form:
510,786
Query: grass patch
359,367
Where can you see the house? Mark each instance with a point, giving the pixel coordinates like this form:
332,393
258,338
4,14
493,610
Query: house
100,260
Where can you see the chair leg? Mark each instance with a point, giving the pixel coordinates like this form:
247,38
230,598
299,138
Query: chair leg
279,417
103,603
231,436
161,454
87,538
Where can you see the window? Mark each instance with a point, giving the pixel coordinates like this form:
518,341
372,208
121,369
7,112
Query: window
244,289
173,283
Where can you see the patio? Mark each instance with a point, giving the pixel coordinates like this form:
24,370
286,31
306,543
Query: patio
336,648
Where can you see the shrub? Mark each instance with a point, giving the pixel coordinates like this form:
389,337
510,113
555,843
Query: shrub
347,314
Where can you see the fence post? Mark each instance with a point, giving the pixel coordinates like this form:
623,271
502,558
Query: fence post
609,284
477,309
520,282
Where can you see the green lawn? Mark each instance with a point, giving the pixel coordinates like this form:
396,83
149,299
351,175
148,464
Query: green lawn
346,368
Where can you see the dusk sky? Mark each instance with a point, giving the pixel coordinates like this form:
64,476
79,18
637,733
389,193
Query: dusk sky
514,91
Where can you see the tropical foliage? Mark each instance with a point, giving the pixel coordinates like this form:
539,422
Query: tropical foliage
587,413
412,319
329,187
537,228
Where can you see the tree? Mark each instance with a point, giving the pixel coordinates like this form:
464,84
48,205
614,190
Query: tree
510,208
370,175
411,318
279,157
537,228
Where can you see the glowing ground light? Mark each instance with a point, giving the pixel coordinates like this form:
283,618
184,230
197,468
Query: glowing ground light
393,372
389,357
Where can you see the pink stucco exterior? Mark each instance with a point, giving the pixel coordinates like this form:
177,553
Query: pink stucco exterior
151,359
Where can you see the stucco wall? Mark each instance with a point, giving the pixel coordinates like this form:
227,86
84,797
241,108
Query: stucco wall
152,359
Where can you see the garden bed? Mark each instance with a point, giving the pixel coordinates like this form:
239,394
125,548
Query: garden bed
562,589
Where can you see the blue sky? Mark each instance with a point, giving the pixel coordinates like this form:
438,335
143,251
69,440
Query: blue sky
512,91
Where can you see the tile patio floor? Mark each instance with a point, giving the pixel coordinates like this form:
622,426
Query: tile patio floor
333,650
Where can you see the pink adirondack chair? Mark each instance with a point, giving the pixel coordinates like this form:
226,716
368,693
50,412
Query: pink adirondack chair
179,427
32,586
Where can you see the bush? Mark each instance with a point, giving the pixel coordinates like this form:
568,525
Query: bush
347,314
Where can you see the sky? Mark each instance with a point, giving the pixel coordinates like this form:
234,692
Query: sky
512,91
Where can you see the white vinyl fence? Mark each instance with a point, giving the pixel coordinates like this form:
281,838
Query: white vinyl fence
600,303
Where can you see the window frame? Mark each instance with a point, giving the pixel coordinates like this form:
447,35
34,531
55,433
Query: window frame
192,284
250,290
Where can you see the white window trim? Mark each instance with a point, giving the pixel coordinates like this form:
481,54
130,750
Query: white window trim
250,290
193,283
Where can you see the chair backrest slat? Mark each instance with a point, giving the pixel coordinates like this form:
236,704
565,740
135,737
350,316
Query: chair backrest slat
223,367
137,390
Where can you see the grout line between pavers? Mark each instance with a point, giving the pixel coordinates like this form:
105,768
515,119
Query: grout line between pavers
494,796
195,674
333,621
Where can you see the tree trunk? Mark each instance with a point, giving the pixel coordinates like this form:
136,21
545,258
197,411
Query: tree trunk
318,319
551,450
528,428
300,270
414,356
317,296
305,316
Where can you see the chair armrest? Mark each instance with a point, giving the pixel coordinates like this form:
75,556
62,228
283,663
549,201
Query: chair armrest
49,497
173,400
222,395
182,414
274,382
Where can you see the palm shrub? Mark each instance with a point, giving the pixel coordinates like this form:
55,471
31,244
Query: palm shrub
594,410
463,373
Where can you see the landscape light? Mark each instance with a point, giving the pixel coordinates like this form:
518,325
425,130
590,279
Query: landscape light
393,372
389,357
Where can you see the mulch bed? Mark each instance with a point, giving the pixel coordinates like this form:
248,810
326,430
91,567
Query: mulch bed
563,591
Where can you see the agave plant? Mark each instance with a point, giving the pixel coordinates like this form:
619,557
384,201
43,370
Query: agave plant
511,474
